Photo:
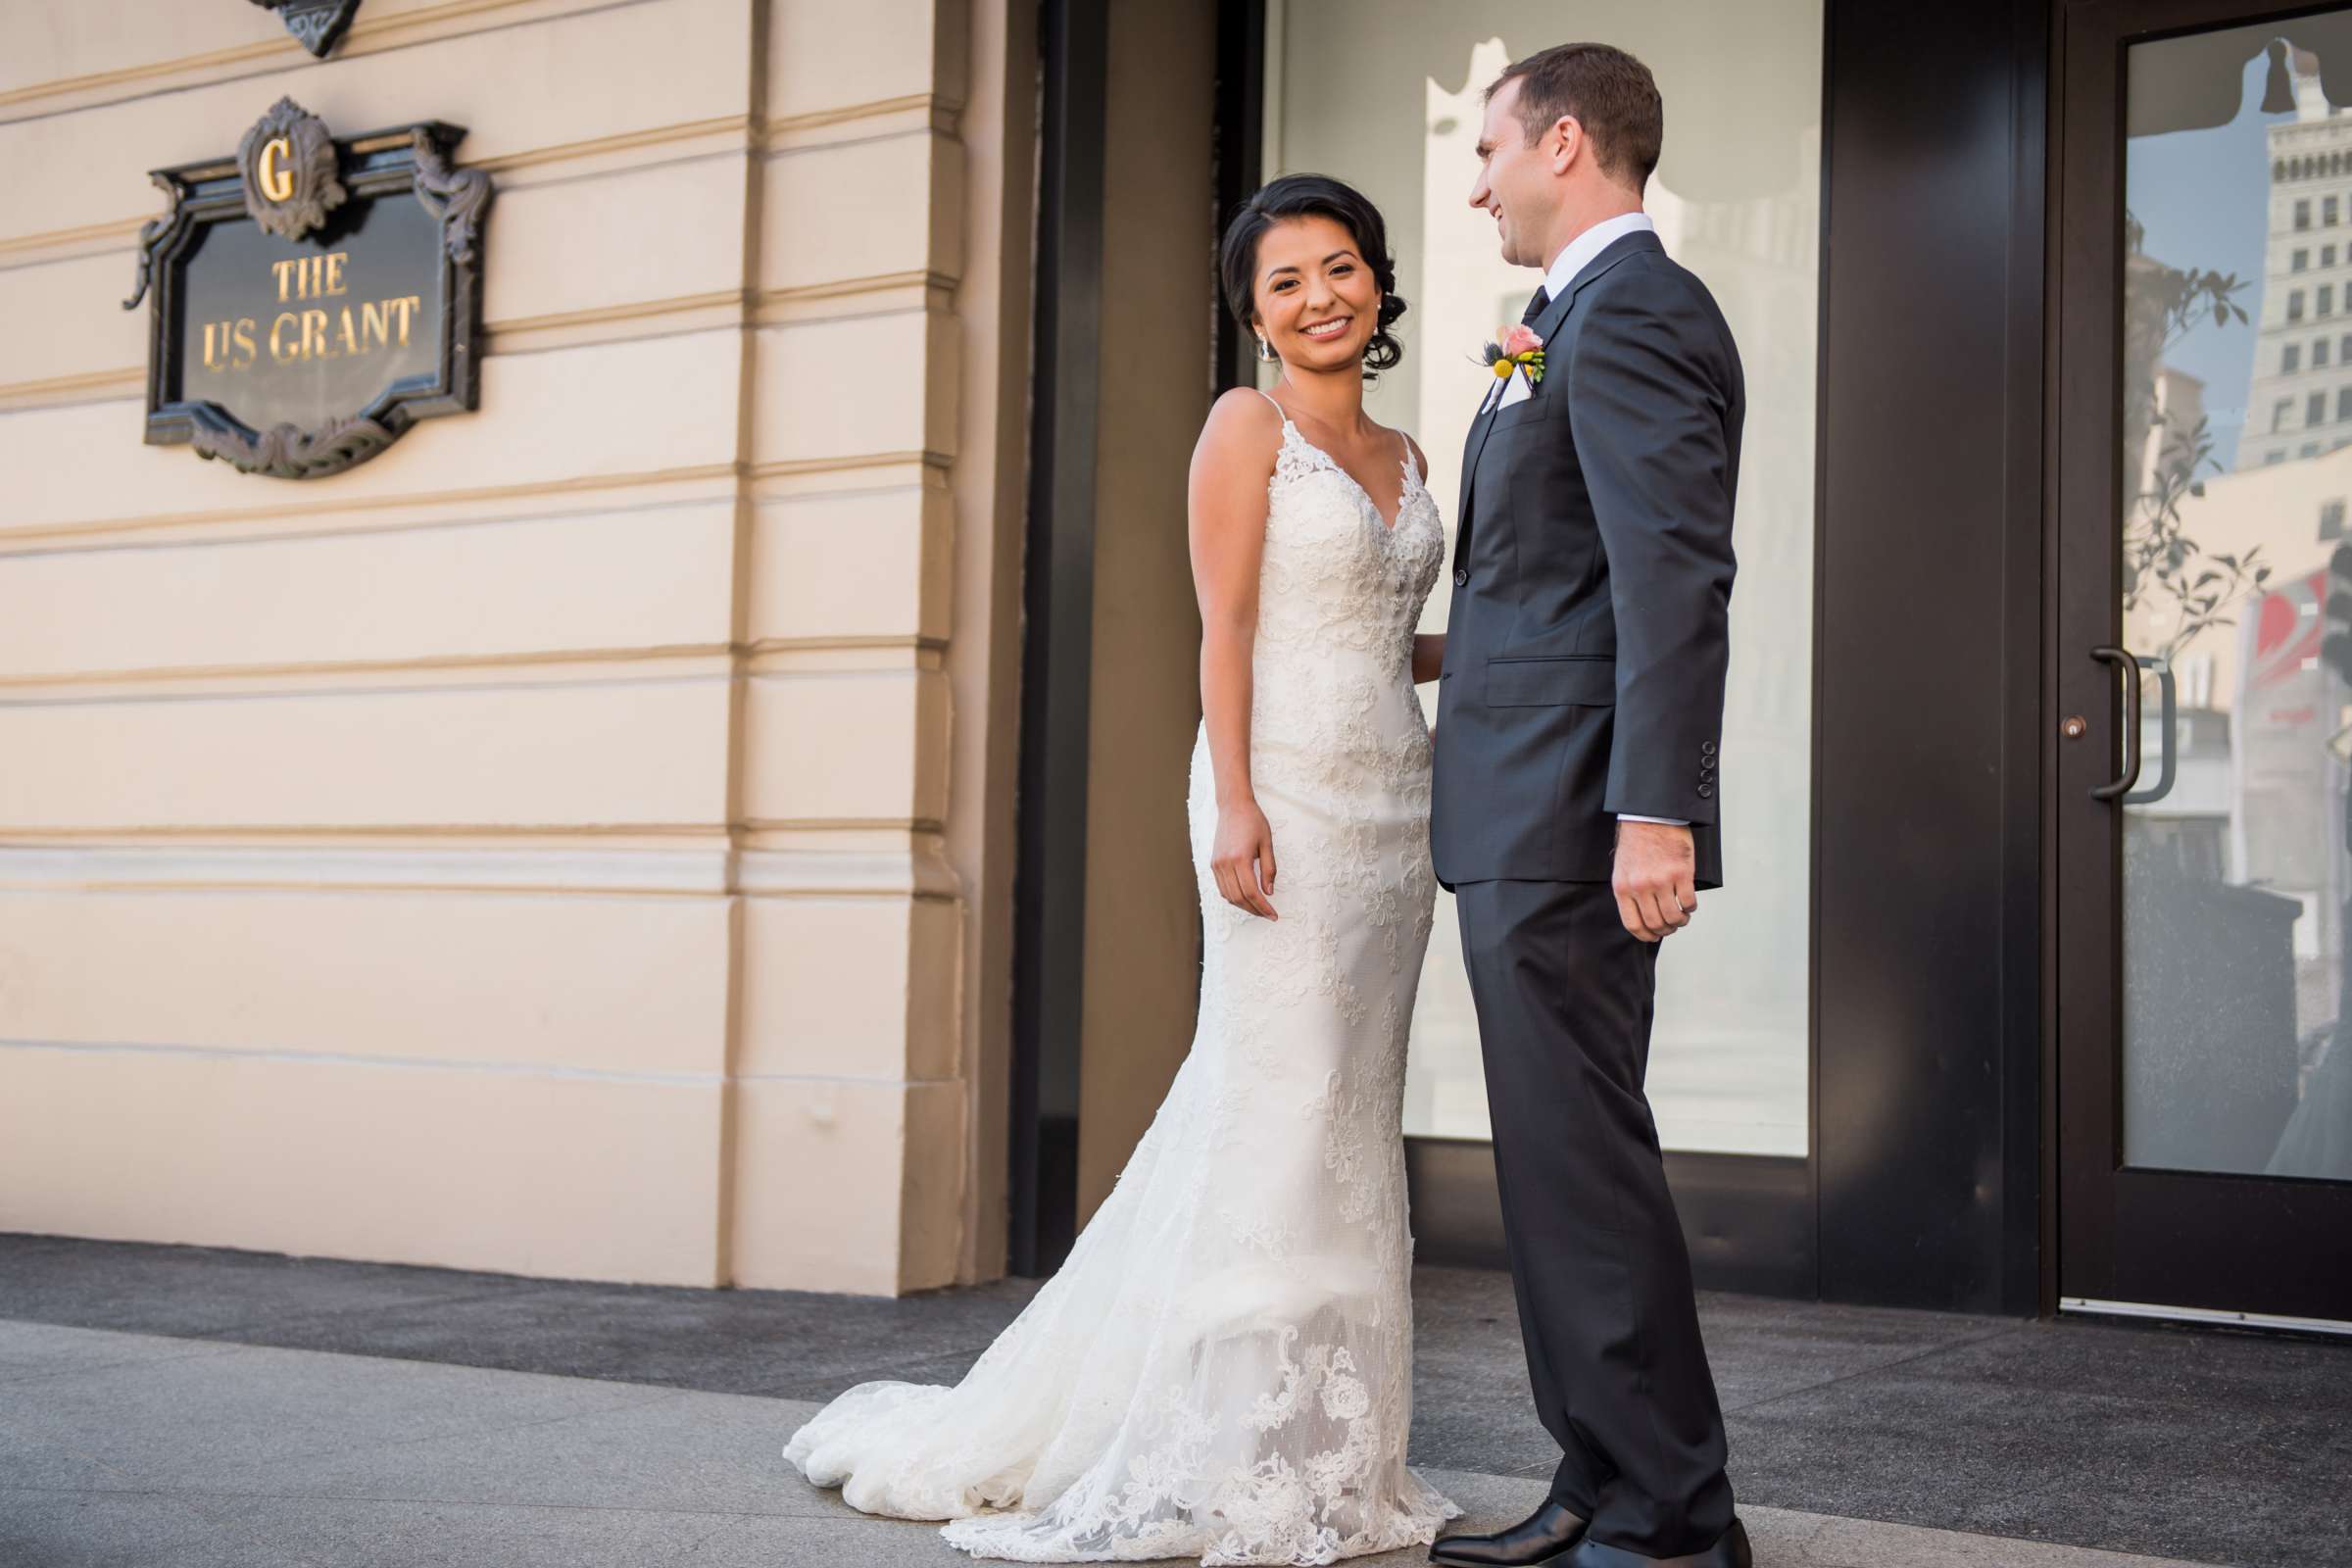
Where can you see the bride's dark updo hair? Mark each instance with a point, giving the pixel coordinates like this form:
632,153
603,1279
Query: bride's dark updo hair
1313,196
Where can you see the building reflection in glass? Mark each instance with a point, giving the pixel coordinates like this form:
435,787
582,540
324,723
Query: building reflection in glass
2237,404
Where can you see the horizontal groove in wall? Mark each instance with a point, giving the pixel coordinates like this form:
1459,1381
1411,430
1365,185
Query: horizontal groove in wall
845,1080
88,386
914,111
500,1069
274,52
915,866
532,168
921,870
536,168
347,832
773,658
851,463
565,671
427,516
315,505
197,869
559,666
846,656
637,318
332,1058
590,666
596,158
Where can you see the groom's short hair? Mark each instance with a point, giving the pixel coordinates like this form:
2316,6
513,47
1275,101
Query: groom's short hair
1609,92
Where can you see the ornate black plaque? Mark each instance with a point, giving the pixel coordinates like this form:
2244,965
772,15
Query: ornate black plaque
318,23
312,297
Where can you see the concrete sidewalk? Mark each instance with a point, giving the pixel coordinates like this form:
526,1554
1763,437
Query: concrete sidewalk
159,1403
132,1451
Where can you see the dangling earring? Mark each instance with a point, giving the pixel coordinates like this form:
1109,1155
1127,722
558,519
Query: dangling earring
1266,354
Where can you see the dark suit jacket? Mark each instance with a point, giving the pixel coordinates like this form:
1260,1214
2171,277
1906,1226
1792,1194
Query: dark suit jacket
1585,648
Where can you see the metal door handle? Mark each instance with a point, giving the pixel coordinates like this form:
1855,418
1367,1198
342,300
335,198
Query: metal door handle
2168,708
2117,788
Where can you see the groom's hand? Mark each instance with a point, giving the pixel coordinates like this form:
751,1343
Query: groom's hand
1654,878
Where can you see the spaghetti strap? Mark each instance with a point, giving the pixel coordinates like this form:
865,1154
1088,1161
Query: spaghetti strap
1407,445
1271,398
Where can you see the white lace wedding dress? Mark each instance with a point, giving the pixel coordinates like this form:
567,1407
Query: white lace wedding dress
1222,1368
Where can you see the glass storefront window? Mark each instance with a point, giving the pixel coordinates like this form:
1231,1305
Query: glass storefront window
1386,94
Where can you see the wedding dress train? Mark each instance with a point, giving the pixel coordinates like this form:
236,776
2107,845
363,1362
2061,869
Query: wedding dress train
1222,1367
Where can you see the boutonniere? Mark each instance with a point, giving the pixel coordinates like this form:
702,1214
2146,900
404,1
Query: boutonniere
1520,350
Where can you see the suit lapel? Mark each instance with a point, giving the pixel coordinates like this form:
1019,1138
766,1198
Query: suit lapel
1547,322
1471,447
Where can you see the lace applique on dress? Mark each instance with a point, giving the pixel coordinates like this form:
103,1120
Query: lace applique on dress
1222,1368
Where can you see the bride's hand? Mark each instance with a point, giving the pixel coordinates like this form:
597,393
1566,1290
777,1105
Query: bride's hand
1243,859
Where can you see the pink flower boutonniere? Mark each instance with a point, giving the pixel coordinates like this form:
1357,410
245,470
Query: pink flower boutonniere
1520,350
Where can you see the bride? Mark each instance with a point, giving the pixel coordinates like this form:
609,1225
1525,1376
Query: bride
1222,1368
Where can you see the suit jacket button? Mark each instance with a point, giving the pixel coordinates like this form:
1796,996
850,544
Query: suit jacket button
1462,575
1705,790
1706,748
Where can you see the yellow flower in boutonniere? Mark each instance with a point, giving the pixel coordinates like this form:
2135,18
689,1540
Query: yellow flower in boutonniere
1519,349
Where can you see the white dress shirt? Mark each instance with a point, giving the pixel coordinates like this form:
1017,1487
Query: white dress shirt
1570,261
1562,272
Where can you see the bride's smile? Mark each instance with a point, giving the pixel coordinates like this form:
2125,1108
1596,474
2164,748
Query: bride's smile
1318,304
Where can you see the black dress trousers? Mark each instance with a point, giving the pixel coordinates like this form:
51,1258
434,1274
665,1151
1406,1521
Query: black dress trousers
1564,996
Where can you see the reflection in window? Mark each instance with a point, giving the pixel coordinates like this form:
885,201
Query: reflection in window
1384,94
2237,879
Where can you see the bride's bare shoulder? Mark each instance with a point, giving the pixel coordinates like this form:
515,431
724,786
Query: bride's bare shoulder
1244,430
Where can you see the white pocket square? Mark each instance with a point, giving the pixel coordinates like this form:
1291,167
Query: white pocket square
1515,390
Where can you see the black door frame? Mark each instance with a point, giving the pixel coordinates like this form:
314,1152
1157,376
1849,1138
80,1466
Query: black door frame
2184,1243
1057,607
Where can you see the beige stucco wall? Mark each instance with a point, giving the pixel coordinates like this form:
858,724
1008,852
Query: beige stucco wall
575,842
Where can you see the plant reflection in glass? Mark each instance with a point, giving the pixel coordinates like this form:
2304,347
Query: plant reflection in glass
2161,306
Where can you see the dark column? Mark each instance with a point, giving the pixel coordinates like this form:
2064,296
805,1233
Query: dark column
1058,639
1928,877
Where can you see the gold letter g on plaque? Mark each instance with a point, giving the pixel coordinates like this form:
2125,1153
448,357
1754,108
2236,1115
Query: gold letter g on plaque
277,181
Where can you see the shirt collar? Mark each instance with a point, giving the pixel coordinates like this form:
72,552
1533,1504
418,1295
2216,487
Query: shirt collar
1590,243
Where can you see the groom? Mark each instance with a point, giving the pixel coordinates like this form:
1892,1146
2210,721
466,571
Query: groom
1579,716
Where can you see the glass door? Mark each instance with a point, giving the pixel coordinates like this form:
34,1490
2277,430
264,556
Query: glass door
2202,727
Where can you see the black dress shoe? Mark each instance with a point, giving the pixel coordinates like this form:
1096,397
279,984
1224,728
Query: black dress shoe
1546,1536
1729,1551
